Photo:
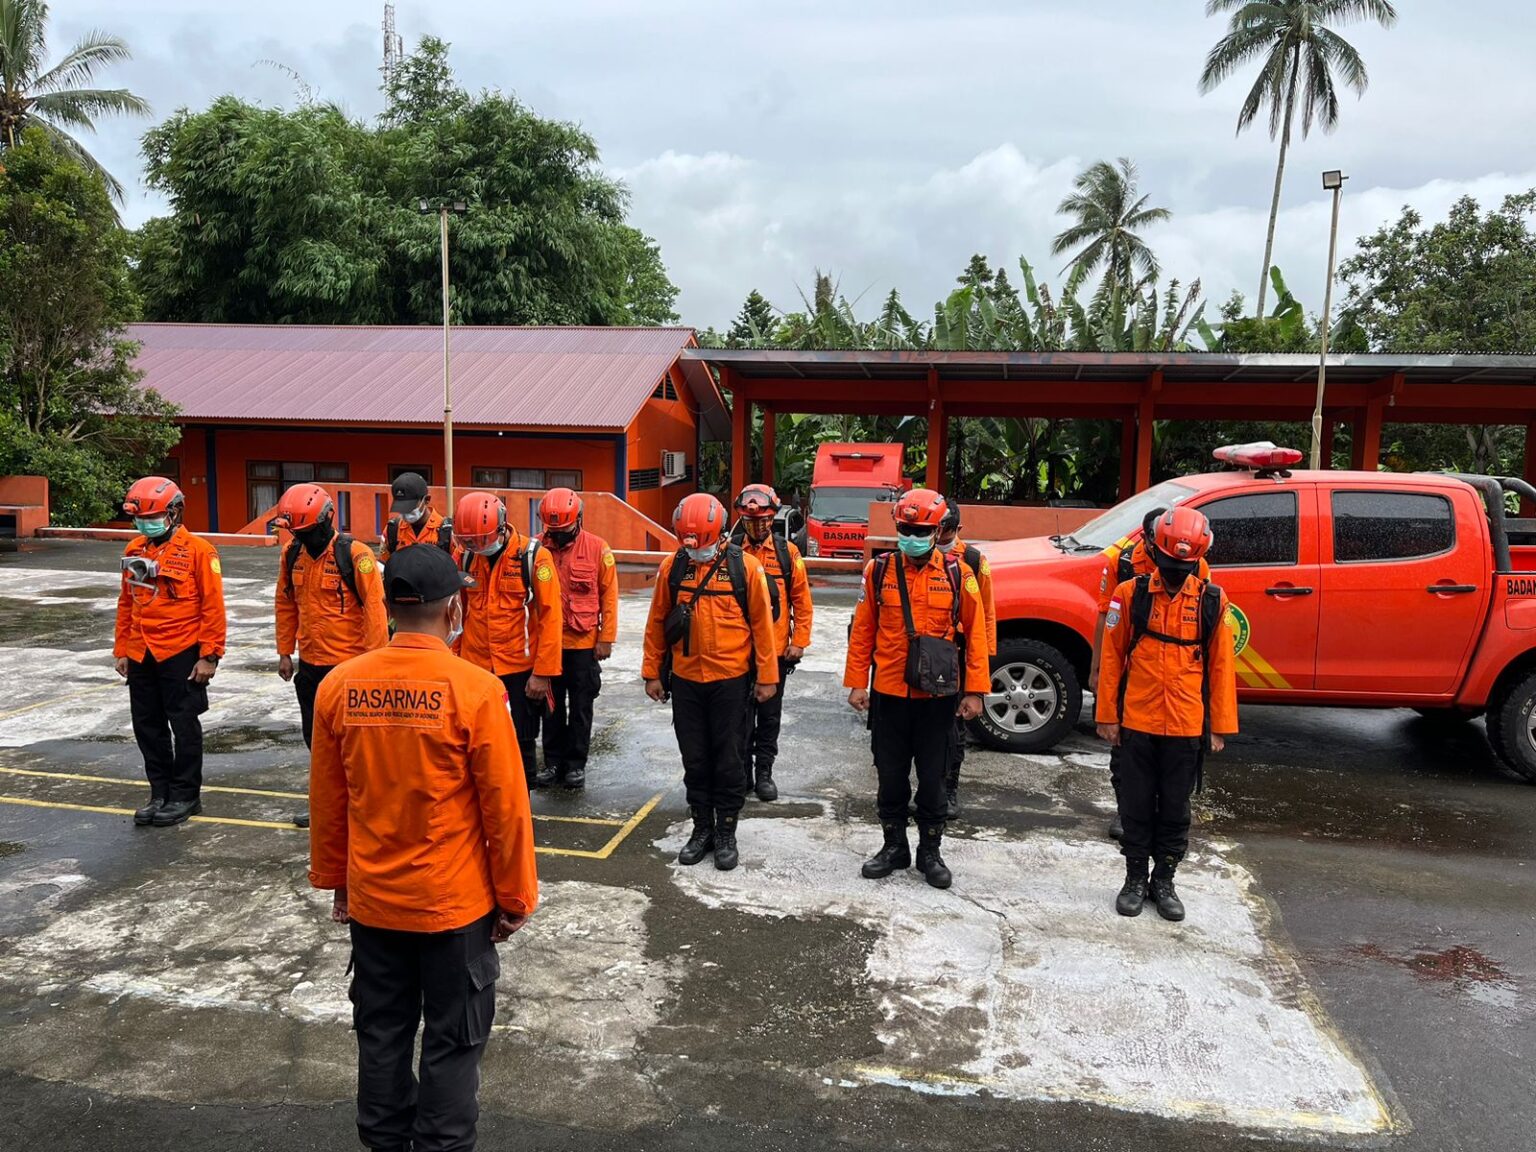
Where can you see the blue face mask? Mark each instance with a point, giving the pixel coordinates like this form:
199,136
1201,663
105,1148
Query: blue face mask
704,555
151,526
915,547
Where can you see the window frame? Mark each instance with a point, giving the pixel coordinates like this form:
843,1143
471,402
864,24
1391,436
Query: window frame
393,471
1289,493
1333,519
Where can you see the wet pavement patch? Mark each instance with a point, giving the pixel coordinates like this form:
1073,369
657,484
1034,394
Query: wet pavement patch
23,622
10,848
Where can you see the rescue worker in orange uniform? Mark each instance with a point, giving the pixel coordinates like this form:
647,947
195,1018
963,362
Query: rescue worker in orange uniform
413,520
422,830
589,619
330,599
1167,695
168,643
709,644
512,620
950,543
914,607
789,588
1125,560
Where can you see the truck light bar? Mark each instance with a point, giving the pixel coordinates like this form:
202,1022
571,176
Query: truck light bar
1261,454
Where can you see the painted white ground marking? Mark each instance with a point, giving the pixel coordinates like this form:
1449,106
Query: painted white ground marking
1025,965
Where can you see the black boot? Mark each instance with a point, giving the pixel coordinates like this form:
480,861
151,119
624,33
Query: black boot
765,787
576,776
895,855
1116,829
702,840
952,792
1169,906
929,862
301,819
1134,894
146,815
547,776
725,841
175,811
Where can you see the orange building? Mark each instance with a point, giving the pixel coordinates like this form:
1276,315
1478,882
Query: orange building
265,406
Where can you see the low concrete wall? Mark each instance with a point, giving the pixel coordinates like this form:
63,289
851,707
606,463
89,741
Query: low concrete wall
219,539
984,523
25,500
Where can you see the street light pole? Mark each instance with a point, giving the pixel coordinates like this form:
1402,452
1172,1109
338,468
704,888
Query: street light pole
443,209
1333,181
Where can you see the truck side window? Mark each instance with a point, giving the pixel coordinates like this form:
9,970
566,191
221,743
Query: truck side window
1253,530
1390,526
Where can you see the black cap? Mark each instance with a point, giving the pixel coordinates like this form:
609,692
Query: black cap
409,490
422,574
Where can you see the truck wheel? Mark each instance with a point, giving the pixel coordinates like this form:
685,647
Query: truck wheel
1512,727
1034,701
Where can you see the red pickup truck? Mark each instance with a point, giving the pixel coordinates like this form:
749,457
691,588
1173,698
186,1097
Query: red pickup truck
1349,589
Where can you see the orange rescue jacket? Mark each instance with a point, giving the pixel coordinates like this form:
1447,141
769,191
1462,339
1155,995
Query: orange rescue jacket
880,640
315,608
184,608
505,632
406,533
721,645
589,591
795,609
1162,681
417,800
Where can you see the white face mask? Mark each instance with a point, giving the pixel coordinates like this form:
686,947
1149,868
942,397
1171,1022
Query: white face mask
456,628
704,555
415,517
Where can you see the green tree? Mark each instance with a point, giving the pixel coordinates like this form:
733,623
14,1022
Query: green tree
70,405
57,99
1299,53
1106,215
310,216
754,324
978,271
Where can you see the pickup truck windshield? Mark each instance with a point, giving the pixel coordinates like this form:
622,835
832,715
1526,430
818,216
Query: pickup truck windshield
1126,517
849,505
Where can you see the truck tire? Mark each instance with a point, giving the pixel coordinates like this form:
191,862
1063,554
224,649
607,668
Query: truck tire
1511,720
1035,698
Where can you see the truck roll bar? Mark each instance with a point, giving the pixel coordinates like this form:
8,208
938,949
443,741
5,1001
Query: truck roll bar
1493,489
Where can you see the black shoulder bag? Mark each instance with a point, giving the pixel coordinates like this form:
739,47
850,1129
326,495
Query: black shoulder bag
933,664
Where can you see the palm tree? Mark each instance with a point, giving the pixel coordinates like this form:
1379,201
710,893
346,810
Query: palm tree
1108,214
1299,54
55,99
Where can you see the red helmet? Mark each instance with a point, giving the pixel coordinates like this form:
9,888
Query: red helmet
758,502
152,496
920,508
699,521
560,509
303,506
479,519
1183,534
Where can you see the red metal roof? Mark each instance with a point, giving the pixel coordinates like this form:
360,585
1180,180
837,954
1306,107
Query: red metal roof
513,377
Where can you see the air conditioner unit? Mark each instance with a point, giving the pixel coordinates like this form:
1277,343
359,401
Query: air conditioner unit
674,467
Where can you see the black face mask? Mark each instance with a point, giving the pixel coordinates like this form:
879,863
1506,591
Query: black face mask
563,538
315,539
1174,572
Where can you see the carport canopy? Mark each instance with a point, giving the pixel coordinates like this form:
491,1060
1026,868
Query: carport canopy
1135,388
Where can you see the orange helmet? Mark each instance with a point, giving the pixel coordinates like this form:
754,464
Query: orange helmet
560,510
152,496
1183,534
302,507
920,508
699,521
479,520
758,502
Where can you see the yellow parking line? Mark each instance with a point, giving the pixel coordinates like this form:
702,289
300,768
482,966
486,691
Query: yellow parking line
630,825
600,821
57,700
129,812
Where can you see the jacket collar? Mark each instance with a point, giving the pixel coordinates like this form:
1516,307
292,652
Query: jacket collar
418,640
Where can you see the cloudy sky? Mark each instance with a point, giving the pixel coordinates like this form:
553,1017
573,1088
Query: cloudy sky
887,142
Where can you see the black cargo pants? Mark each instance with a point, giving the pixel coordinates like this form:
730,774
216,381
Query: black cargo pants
166,708
1157,776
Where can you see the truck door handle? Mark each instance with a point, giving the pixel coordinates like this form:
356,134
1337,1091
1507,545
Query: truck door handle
1450,589
1287,590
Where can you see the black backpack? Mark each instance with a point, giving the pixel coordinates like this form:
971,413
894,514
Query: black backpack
392,536
735,565
786,568
344,566
524,560
1210,622
1125,566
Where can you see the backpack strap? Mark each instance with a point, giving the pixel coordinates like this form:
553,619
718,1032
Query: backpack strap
952,570
345,568
290,558
392,534
786,571
736,565
877,579
445,536
1125,564
525,560
972,558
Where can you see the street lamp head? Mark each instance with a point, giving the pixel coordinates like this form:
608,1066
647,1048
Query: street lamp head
424,207
460,207
1334,180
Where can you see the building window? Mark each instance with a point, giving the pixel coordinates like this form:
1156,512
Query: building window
642,479
170,468
266,480
666,390
525,478
331,473
567,479
422,470
488,477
